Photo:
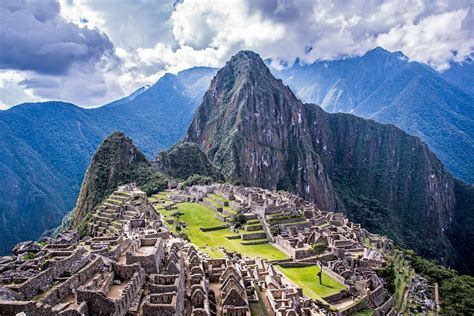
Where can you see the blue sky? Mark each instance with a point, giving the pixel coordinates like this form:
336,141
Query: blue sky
90,52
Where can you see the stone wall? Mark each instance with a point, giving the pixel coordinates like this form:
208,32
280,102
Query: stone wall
384,308
333,275
361,304
65,289
149,262
209,229
14,307
252,236
44,279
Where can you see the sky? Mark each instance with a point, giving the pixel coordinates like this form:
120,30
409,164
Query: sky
91,52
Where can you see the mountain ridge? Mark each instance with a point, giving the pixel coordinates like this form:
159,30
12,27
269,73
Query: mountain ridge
56,140
389,88
255,130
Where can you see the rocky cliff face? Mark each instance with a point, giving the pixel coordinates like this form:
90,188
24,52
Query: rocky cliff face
184,160
255,130
116,161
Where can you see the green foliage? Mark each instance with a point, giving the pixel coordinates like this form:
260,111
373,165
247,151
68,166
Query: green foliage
388,274
274,230
283,217
238,220
457,292
177,215
82,227
182,235
198,180
235,182
457,295
319,248
30,255
461,232
185,160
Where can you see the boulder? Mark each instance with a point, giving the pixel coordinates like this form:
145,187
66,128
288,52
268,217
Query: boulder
26,246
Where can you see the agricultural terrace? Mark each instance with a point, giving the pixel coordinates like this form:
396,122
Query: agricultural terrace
308,280
197,216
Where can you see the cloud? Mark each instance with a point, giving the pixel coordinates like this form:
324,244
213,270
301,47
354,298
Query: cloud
434,40
211,31
99,51
34,37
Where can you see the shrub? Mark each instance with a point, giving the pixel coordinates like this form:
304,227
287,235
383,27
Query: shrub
30,255
319,248
239,220
183,236
198,180
274,230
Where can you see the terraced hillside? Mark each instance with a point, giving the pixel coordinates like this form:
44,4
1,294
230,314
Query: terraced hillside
207,224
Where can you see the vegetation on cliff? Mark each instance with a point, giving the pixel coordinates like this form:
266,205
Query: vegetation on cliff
185,160
456,291
117,161
256,131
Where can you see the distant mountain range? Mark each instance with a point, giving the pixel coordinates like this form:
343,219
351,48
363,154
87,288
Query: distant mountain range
386,87
46,147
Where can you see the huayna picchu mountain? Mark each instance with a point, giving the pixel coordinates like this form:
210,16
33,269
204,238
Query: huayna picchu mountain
255,130
117,161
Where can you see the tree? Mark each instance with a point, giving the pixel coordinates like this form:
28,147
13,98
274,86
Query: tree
177,215
320,276
319,248
274,230
239,220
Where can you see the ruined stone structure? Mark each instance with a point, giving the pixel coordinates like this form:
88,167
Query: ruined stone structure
131,264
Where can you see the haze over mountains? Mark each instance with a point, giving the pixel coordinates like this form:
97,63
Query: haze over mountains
46,147
55,141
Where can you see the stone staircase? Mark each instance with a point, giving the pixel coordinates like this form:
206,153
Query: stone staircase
112,214
254,234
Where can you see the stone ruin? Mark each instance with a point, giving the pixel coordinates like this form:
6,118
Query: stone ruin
131,264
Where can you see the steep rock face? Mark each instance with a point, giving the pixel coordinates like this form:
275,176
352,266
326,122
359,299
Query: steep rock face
184,160
254,129
112,164
387,87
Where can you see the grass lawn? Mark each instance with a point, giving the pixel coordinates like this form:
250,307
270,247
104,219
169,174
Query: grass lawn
196,216
160,196
364,312
307,279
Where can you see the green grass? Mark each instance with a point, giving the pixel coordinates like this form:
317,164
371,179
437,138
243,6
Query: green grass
307,279
364,312
196,216
217,197
160,196
213,202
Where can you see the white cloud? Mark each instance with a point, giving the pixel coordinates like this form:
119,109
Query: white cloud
11,92
435,40
154,37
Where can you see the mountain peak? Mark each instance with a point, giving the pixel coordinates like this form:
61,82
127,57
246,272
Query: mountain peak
116,154
382,52
245,62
